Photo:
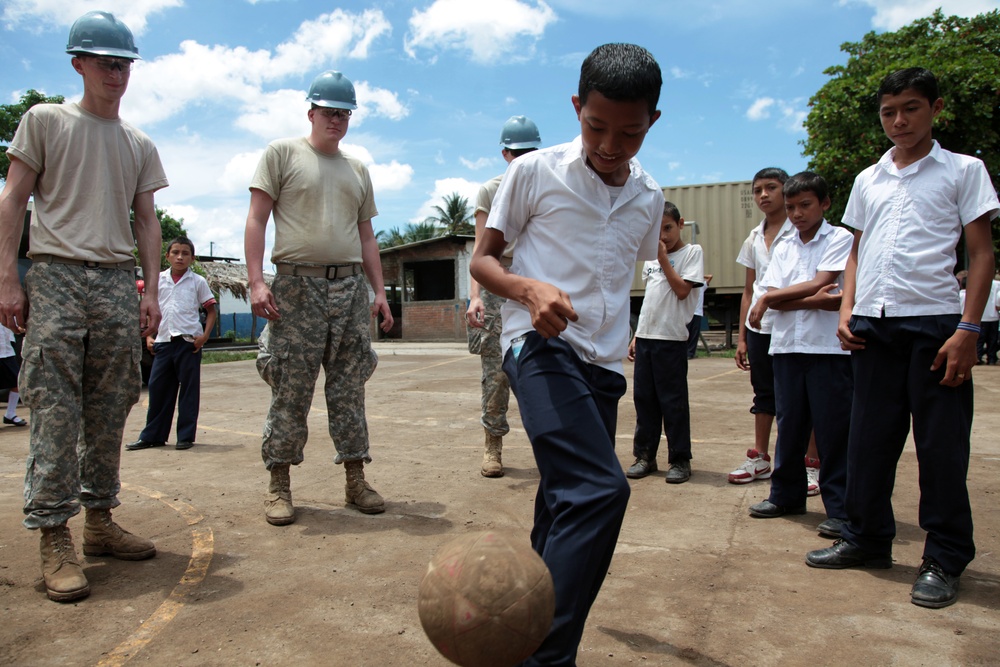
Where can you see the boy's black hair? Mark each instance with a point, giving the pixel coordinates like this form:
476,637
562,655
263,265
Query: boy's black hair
180,240
771,173
670,210
518,152
806,181
621,72
919,79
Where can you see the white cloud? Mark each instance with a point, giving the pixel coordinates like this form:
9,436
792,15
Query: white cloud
476,165
893,14
442,188
392,176
759,110
238,172
202,74
46,14
501,30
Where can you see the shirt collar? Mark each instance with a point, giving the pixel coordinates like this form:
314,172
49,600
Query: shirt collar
885,162
636,172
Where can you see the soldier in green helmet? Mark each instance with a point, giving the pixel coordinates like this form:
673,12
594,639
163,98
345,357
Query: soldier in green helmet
80,375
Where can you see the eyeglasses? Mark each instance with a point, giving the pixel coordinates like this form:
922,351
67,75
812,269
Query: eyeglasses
109,65
330,114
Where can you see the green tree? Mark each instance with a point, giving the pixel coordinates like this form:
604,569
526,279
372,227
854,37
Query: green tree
10,118
170,228
390,238
844,133
455,216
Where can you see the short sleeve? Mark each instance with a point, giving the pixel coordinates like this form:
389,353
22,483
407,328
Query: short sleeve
838,249
854,213
976,196
693,270
267,178
745,258
511,210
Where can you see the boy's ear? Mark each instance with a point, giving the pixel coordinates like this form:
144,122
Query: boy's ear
654,117
936,107
577,106
826,203
680,223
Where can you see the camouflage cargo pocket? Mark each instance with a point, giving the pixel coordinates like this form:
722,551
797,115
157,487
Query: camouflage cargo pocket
34,379
271,358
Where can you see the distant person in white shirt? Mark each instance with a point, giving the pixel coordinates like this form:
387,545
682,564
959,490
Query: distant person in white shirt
659,350
912,347
176,351
10,368
988,341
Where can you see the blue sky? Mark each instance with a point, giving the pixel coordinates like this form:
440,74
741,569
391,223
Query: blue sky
436,79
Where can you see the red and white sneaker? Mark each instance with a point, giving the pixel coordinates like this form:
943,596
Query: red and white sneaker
812,477
757,466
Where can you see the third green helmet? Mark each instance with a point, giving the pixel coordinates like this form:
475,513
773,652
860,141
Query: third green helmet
101,34
333,90
520,132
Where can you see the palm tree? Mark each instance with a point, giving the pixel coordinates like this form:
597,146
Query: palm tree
455,216
421,231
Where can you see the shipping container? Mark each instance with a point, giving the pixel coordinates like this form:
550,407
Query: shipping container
718,217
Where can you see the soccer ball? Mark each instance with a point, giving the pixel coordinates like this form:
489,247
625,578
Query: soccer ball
486,600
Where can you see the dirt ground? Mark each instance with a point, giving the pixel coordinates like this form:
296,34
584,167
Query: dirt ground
694,581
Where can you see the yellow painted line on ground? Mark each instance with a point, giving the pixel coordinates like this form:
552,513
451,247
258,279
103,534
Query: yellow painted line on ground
255,434
202,549
424,368
720,375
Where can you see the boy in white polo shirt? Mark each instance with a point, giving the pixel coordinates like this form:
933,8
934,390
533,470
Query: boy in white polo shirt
581,213
659,350
912,348
177,351
812,374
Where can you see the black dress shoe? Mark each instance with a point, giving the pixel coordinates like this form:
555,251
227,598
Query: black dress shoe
142,444
678,473
934,587
843,555
184,444
768,510
641,468
831,528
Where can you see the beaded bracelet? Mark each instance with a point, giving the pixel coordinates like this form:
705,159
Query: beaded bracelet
969,326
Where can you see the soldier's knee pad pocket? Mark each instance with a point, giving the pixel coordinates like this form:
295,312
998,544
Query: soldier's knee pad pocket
371,361
271,360
35,379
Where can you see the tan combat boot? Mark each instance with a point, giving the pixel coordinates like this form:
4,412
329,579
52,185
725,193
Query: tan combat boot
360,494
64,578
104,537
492,463
278,508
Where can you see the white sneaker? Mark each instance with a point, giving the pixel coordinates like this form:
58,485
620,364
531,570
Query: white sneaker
812,477
757,466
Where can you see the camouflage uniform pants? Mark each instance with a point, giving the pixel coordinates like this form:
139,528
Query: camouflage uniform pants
496,386
323,323
80,377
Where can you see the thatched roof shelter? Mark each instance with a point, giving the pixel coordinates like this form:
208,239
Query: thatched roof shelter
232,278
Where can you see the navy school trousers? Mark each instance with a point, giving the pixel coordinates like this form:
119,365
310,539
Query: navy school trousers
892,383
569,410
176,369
660,394
812,393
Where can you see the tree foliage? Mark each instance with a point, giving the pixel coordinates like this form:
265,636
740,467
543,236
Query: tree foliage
10,118
844,133
455,216
410,234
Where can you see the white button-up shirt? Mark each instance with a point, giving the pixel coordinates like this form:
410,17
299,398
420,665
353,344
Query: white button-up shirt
911,220
179,304
757,256
807,331
570,235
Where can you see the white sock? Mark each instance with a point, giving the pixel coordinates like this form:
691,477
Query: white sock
12,398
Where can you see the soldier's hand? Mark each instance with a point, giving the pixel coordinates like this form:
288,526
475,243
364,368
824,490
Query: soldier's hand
149,315
262,303
13,305
474,315
381,306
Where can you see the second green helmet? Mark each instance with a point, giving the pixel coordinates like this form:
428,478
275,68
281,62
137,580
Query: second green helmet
520,132
332,90
101,34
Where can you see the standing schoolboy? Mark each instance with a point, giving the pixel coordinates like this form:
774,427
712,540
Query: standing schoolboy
10,368
753,343
519,136
581,213
812,374
986,346
659,350
86,168
176,350
911,348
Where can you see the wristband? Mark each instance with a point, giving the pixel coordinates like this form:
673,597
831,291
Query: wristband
969,326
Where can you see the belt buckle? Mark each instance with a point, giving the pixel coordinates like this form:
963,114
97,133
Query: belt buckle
332,270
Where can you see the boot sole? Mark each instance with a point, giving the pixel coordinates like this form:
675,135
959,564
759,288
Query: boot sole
67,596
280,521
490,473
138,555
367,510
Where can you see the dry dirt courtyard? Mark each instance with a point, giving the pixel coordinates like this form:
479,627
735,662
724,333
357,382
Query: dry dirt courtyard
694,581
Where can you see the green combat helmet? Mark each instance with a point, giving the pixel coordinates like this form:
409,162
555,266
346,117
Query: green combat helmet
101,34
332,90
520,132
